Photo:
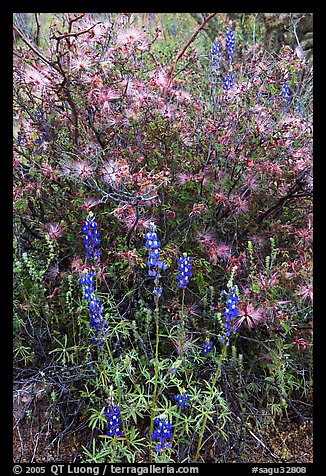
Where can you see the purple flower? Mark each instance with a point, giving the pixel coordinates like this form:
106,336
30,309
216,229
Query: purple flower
162,433
207,347
114,421
286,93
216,55
228,81
230,313
230,43
97,322
92,236
182,399
154,263
185,271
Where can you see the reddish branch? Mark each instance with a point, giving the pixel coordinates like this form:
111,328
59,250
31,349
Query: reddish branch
192,38
38,53
63,90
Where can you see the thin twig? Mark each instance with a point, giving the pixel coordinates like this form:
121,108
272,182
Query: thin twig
39,54
182,52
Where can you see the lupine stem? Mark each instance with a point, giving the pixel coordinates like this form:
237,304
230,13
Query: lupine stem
119,391
155,378
182,321
210,398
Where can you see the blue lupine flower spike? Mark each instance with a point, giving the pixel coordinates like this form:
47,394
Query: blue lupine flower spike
154,263
207,347
185,268
91,241
162,433
216,55
92,236
114,421
230,43
286,93
230,313
182,399
228,81
97,322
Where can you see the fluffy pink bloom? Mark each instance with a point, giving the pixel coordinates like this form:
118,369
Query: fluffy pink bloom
250,316
301,342
205,238
160,79
114,171
183,178
82,168
306,292
240,205
39,78
54,230
221,198
223,250
82,63
182,96
89,204
77,265
108,94
132,37
257,240
198,209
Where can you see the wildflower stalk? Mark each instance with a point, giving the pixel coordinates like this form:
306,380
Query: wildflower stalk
182,321
184,277
155,377
210,398
119,391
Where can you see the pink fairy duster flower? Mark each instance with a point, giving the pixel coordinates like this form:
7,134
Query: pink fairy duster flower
257,240
38,78
82,168
301,342
268,282
160,80
126,214
99,30
89,204
240,205
251,183
110,171
77,265
222,199
250,316
78,64
197,209
132,37
218,251
205,238
223,250
109,94
183,178
54,230
305,292
182,96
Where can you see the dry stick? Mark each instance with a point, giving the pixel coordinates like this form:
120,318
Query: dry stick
273,455
38,29
39,54
192,38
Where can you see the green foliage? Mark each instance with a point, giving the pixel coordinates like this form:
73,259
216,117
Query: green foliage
225,179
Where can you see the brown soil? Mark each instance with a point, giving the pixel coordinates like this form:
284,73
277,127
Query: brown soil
38,437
